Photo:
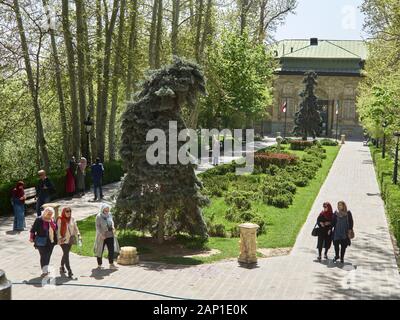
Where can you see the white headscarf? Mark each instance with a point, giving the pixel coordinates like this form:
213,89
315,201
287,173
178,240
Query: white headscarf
106,217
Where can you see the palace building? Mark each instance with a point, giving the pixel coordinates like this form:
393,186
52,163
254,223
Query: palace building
339,65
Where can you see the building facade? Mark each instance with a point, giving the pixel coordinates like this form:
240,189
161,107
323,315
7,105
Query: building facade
339,65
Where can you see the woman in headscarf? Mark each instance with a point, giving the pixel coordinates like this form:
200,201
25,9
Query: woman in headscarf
342,224
44,236
18,201
324,222
105,236
68,234
80,176
70,179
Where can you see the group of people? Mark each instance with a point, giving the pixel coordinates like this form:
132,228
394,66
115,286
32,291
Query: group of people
75,181
336,227
47,232
76,175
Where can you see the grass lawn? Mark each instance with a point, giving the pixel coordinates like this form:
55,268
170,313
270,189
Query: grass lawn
283,225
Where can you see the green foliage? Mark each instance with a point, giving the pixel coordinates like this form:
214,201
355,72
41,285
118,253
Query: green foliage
328,142
264,160
308,119
239,74
300,144
390,192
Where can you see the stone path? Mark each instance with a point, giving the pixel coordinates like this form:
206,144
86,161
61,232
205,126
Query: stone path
370,271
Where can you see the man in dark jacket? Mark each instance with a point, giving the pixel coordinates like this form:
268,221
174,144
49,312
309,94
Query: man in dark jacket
43,191
97,170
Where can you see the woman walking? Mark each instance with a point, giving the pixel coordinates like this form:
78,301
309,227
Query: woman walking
80,176
44,237
105,237
324,222
18,201
68,234
342,225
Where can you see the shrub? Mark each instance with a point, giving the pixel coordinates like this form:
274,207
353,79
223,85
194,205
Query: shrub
328,142
215,185
264,160
240,199
300,144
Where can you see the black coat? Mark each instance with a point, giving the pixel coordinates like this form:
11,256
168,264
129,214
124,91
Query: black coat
324,237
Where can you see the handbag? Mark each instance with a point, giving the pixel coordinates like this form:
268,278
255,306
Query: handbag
315,231
40,241
72,239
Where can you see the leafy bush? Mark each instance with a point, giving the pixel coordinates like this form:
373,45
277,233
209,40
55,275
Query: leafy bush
300,144
215,186
328,142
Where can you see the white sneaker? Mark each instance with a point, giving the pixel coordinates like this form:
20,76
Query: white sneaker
113,267
99,266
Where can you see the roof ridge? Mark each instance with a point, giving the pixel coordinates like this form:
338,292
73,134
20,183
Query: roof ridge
343,48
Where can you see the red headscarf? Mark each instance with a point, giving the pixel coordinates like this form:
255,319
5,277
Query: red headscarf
64,222
327,214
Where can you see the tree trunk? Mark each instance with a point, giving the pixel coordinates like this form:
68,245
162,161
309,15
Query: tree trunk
33,88
131,49
157,55
175,24
89,82
161,226
99,71
206,29
115,82
80,46
152,41
60,94
72,81
261,23
106,80
199,22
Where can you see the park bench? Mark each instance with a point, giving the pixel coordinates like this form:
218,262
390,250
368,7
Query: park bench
30,195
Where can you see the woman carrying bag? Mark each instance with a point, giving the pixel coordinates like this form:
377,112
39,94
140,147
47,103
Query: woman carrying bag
68,235
105,236
342,230
324,222
44,236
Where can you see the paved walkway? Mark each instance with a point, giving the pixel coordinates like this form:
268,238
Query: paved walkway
370,271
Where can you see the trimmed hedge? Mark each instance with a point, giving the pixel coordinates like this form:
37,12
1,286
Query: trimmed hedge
112,173
264,160
328,142
300,144
389,191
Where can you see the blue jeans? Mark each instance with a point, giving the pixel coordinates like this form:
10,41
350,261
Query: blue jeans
19,215
39,203
98,190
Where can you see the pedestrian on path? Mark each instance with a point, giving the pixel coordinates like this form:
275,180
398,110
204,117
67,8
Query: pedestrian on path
324,222
97,170
44,189
68,235
342,225
70,179
215,150
105,236
18,202
44,236
80,176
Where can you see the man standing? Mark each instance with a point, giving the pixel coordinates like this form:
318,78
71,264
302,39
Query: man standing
43,191
97,178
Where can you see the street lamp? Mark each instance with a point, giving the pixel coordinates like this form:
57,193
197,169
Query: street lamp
384,125
88,128
396,158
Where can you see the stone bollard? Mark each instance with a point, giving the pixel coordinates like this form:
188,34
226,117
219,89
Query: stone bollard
5,287
248,243
128,256
279,139
53,205
342,137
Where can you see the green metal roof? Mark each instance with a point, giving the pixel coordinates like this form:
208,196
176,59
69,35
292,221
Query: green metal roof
326,49
340,57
